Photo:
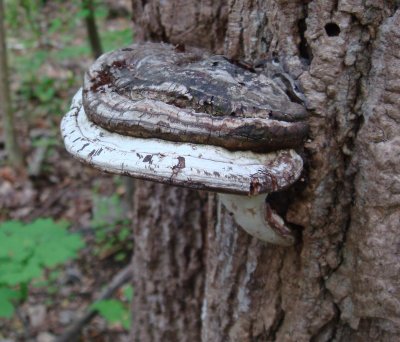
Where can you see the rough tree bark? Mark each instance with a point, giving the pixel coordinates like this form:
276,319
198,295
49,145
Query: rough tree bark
168,262
340,281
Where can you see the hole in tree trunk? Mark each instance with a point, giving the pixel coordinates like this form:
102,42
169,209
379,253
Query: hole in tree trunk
332,29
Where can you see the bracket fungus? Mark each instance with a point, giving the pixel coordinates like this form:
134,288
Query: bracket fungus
195,120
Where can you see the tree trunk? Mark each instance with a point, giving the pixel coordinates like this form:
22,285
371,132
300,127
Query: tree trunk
13,149
91,29
168,262
340,281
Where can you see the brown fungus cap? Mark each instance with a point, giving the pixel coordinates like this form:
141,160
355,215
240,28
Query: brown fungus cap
157,91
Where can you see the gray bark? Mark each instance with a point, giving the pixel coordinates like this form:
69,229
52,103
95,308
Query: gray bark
340,282
168,262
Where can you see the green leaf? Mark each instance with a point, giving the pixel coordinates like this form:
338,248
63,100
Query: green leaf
124,234
27,249
120,256
7,296
101,12
83,13
55,25
127,290
113,311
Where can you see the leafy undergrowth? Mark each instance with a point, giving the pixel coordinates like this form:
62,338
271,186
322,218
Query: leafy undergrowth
77,208
25,251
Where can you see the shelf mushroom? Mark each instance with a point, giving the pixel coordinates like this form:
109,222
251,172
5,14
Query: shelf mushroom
191,119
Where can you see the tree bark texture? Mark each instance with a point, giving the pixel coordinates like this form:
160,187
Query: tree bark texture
168,262
340,281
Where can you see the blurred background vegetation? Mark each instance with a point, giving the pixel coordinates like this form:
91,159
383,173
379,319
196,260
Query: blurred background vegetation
64,228
47,45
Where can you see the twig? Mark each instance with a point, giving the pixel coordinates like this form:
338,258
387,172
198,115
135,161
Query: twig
129,186
25,324
35,166
45,206
73,332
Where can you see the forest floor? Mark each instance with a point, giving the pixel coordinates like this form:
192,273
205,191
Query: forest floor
44,77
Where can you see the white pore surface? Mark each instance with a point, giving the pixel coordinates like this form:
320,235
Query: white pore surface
192,165
249,213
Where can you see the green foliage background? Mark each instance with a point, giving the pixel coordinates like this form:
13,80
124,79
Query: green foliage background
36,41
26,250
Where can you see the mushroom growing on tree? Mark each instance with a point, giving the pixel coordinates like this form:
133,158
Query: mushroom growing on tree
187,118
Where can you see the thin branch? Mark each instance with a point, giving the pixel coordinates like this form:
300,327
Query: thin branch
120,279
